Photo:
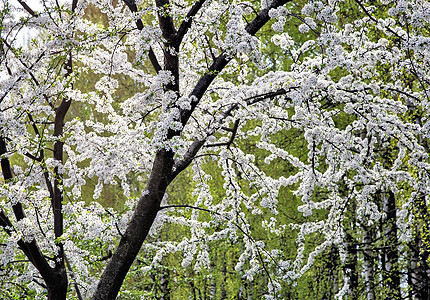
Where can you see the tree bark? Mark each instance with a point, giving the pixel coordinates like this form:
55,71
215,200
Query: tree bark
351,267
419,266
368,263
55,278
391,256
138,228
57,286
165,285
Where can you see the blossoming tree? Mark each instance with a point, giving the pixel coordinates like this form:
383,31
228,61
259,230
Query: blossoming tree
212,87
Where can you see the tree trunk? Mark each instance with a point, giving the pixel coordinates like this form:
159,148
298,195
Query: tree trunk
419,265
138,228
350,268
391,256
57,288
164,285
368,263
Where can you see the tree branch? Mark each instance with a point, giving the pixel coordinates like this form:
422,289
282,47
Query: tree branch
27,8
133,8
188,158
31,249
72,274
269,95
230,141
222,60
186,24
166,22
74,4
171,47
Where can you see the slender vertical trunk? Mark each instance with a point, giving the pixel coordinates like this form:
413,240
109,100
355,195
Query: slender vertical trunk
193,291
391,256
368,262
212,289
213,263
138,228
164,285
350,268
224,276
419,265
204,289
334,280
57,289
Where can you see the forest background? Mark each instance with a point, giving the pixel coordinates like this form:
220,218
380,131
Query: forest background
215,149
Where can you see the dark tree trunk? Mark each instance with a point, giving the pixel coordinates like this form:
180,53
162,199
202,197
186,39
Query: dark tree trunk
419,271
391,256
368,261
57,288
138,228
351,267
164,285
55,278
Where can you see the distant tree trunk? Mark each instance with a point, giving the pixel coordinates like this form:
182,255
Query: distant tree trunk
368,261
213,262
391,274
212,289
224,276
164,285
419,265
204,293
350,268
329,277
193,290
